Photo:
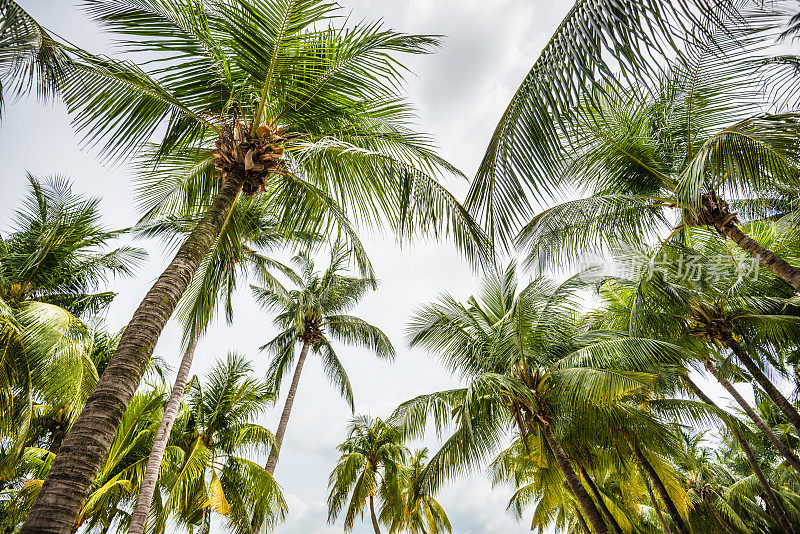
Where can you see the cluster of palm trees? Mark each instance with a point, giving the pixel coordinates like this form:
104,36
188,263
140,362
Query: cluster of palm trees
661,136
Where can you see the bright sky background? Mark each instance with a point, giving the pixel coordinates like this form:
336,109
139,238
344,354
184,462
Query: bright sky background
460,92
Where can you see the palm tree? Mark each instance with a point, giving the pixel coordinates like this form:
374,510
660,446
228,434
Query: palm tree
373,450
247,234
53,264
206,468
31,58
310,317
409,508
598,43
528,366
252,97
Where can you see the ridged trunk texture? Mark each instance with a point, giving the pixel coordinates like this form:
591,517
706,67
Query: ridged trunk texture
765,257
372,514
672,510
769,494
582,521
148,486
573,482
766,384
600,501
80,456
760,424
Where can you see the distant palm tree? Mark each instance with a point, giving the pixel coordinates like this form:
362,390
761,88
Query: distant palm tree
252,97
528,367
414,510
311,317
371,465
206,468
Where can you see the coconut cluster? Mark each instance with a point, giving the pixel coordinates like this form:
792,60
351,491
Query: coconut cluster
250,158
714,212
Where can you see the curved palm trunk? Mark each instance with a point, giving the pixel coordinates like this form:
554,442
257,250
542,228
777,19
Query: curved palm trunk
374,517
760,424
769,494
767,258
725,526
600,501
766,384
672,510
148,485
287,409
657,508
573,482
87,443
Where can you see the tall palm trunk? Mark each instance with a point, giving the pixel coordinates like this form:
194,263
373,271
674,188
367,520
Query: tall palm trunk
148,485
573,482
600,501
767,258
766,384
87,443
656,506
769,494
287,409
760,424
372,514
582,521
672,510
725,526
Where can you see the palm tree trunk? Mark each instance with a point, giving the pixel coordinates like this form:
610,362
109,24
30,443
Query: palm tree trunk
769,494
765,257
600,501
656,507
272,461
573,482
762,426
148,485
672,510
287,409
374,517
582,521
725,526
87,443
766,384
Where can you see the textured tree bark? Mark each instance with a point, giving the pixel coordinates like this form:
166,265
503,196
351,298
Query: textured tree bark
762,426
653,500
600,501
374,517
769,494
148,485
573,482
766,384
672,510
272,461
765,257
725,526
79,458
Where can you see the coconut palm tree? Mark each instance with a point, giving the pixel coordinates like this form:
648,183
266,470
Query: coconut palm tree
206,468
247,235
31,58
371,464
53,265
528,366
310,317
252,98
413,510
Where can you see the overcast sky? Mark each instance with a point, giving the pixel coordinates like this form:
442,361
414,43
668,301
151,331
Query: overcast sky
460,93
